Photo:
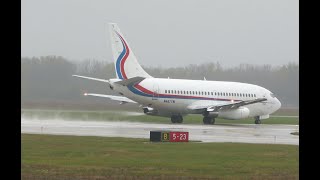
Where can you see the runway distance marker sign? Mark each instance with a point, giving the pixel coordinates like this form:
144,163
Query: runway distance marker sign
169,136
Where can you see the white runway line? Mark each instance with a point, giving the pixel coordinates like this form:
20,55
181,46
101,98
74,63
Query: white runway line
245,133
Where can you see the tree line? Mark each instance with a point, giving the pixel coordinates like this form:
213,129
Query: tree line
49,78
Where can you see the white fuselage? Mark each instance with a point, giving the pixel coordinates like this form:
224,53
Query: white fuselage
173,96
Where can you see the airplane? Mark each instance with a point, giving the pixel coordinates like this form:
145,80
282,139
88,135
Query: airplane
176,98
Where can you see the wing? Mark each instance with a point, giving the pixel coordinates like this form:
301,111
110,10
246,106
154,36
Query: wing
215,106
116,98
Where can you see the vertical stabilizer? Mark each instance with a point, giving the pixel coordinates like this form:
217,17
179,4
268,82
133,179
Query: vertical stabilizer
126,64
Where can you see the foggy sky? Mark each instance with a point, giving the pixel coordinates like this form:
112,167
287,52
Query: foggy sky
165,33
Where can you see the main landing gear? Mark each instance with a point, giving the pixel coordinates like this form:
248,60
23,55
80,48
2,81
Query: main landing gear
257,120
176,119
208,120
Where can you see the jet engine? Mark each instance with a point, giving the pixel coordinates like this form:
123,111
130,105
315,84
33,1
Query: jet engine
240,113
211,114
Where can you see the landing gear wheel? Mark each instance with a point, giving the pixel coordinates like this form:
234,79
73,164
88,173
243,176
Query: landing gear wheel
173,119
179,119
257,120
176,119
213,120
208,120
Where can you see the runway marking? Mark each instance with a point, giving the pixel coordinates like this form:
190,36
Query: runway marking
245,133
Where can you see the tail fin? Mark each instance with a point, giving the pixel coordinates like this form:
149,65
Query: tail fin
126,64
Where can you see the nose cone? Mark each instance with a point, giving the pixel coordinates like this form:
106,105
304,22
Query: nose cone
277,104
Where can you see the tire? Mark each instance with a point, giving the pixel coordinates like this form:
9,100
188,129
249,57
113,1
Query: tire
257,120
174,119
179,119
207,120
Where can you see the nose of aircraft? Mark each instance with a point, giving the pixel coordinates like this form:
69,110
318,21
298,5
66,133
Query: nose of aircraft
277,104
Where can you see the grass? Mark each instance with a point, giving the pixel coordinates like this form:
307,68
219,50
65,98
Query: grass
74,157
125,116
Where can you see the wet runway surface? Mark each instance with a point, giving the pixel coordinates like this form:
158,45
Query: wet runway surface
245,133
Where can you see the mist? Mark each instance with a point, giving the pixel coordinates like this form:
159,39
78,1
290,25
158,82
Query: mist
47,81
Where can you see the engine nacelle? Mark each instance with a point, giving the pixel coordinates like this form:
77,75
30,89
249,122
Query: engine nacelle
211,114
149,111
240,113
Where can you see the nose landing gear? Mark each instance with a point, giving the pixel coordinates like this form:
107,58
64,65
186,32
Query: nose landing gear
257,120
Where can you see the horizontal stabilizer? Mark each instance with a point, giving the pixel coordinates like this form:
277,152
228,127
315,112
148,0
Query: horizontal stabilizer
116,98
130,81
91,78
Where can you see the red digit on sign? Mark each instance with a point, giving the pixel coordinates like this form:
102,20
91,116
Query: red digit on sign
174,136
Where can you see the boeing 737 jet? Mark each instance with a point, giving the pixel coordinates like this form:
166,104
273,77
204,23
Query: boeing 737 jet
175,98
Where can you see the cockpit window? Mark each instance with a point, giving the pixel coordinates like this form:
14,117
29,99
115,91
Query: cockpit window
272,95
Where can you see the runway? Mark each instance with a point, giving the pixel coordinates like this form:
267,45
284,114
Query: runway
242,133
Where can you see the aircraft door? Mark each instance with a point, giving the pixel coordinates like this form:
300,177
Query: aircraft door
155,94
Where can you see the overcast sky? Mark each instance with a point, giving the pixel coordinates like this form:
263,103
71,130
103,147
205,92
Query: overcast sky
165,32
